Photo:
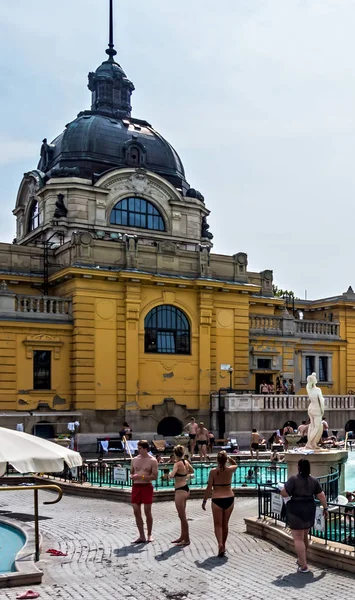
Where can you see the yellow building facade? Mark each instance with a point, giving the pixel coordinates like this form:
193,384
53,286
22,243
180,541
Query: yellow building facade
113,304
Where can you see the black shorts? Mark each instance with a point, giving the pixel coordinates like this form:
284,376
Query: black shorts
255,446
201,442
325,434
192,436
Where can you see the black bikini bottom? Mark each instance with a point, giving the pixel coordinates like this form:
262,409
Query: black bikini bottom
223,503
184,488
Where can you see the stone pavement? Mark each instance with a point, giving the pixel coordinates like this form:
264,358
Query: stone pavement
102,563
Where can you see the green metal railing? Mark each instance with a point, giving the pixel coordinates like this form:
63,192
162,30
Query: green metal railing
117,475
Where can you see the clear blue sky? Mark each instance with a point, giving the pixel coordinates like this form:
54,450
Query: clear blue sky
257,96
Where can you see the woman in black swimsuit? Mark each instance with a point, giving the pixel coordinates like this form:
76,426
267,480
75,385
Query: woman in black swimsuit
219,485
181,471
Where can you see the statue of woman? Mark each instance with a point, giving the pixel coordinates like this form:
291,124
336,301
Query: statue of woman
315,412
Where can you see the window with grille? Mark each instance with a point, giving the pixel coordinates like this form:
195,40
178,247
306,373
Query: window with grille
167,331
34,217
41,370
137,212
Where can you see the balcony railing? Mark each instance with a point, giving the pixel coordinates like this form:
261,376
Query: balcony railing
317,328
255,402
271,325
36,308
266,324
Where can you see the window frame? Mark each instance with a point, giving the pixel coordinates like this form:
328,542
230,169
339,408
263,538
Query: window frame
162,336
34,216
264,368
47,365
137,212
316,361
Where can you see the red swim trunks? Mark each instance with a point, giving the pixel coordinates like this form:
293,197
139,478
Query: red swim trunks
142,493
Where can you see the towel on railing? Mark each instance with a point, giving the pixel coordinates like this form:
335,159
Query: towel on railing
104,445
131,446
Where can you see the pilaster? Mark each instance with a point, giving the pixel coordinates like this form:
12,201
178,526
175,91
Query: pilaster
206,309
132,303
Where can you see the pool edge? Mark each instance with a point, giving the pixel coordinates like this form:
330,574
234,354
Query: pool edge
26,570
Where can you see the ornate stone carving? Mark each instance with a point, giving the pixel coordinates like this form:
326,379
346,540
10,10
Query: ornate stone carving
35,342
167,248
131,251
65,172
240,266
60,208
266,283
204,229
192,193
139,181
205,269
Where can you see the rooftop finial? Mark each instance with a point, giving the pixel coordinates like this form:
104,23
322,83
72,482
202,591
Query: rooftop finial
110,50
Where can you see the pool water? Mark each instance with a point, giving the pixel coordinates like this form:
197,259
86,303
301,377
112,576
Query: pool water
11,542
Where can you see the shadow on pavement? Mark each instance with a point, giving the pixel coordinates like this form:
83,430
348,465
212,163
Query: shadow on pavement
131,549
165,555
297,580
25,517
211,563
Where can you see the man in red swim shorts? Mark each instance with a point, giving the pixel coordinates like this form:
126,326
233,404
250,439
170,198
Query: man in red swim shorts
144,470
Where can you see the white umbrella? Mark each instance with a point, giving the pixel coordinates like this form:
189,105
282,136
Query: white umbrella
28,453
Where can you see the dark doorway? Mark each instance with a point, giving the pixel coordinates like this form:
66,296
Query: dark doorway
44,429
261,378
292,423
170,426
350,426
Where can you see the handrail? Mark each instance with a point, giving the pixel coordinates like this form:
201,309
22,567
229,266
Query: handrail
35,489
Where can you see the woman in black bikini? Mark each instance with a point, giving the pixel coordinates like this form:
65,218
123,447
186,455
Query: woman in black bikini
219,485
181,471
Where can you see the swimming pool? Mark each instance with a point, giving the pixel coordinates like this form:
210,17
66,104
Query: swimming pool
350,472
11,542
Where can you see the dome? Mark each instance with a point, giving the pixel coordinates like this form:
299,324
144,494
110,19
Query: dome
107,137
95,143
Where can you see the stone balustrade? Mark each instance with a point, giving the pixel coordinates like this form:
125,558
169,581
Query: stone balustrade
266,324
317,328
287,325
271,403
35,308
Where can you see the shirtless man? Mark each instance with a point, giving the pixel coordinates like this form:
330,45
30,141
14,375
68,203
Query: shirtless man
144,470
202,438
254,443
191,429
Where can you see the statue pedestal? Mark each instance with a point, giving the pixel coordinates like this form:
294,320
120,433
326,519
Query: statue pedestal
321,462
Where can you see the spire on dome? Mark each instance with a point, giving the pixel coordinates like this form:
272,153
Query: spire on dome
111,89
111,50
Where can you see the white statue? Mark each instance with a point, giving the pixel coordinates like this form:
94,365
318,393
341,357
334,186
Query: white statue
315,412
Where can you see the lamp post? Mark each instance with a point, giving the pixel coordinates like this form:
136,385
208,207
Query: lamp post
230,371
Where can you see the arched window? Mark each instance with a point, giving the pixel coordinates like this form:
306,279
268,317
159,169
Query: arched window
133,156
136,212
167,331
33,222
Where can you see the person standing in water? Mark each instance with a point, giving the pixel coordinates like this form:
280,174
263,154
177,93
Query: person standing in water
181,471
144,470
220,486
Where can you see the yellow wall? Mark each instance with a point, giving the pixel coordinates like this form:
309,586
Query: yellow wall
99,362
